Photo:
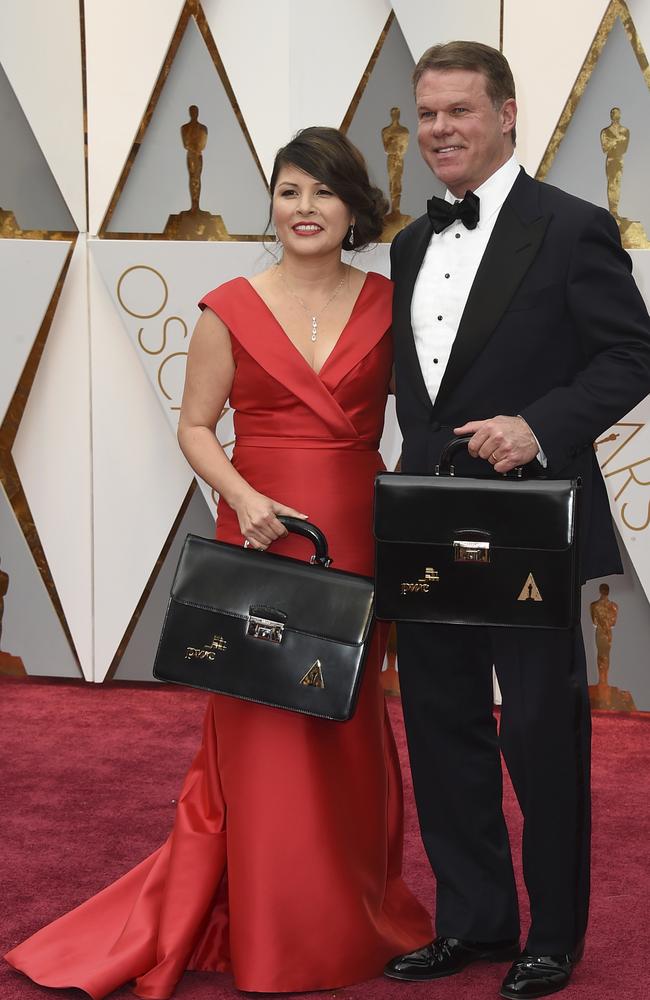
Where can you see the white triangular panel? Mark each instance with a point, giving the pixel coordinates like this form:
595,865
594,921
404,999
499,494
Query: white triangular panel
40,50
137,662
140,477
29,271
143,276
625,463
52,455
546,42
426,24
126,44
627,476
312,61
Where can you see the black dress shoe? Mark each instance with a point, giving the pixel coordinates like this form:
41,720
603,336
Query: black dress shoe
535,976
446,956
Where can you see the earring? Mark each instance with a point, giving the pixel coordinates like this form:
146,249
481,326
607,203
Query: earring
351,235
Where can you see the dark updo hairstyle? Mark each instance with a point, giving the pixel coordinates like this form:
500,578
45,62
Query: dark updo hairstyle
328,156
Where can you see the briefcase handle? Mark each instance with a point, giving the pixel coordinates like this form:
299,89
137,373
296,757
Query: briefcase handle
313,534
445,467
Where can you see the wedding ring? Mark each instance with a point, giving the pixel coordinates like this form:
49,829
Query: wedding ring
246,543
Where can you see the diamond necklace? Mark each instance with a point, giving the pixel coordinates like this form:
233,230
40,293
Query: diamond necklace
313,316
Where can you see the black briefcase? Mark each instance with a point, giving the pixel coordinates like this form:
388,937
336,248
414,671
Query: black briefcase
267,628
453,550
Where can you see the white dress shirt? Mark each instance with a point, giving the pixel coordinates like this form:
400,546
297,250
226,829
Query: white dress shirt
447,274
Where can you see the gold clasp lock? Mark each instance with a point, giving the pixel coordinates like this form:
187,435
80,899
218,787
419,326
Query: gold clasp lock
264,628
471,552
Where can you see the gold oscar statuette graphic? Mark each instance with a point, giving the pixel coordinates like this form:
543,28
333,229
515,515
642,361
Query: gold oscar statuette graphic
530,590
614,140
395,138
8,224
195,224
604,614
9,665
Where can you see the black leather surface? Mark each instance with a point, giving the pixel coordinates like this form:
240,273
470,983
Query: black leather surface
217,575
531,529
326,617
535,513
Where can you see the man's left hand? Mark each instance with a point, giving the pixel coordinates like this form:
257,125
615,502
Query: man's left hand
505,442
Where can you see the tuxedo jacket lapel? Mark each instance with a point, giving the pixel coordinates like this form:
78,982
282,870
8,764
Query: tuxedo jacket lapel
409,269
513,245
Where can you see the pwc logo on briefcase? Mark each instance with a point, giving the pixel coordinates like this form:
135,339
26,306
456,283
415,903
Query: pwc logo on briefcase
422,585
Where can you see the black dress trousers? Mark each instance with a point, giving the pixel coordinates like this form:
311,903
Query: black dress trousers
544,735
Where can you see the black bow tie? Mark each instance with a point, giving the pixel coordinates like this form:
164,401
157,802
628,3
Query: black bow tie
442,213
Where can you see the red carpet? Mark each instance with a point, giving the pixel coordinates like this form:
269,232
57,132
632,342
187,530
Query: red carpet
89,779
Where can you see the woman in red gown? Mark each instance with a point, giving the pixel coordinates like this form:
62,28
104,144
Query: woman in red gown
284,863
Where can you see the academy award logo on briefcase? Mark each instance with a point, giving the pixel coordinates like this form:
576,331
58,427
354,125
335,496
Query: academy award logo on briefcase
530,590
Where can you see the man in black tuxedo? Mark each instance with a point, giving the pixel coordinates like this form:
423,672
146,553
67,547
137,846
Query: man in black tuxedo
516,320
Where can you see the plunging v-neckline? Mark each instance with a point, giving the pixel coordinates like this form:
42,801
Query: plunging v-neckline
344,329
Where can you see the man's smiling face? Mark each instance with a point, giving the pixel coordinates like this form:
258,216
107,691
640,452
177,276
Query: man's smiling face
463,137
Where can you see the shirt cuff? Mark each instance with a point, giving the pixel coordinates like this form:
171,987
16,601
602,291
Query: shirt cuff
540,456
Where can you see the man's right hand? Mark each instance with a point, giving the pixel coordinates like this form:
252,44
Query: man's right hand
504,442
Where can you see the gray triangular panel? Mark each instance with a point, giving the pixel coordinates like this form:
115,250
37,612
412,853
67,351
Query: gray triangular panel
390,86
579,164
31,629
157,185
27,185
137,662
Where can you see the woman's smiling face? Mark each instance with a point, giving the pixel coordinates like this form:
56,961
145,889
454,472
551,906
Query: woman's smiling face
308,216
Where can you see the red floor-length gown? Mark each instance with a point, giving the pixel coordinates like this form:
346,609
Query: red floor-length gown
304,815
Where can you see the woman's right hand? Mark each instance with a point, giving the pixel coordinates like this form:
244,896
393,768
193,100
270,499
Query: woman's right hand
258,521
